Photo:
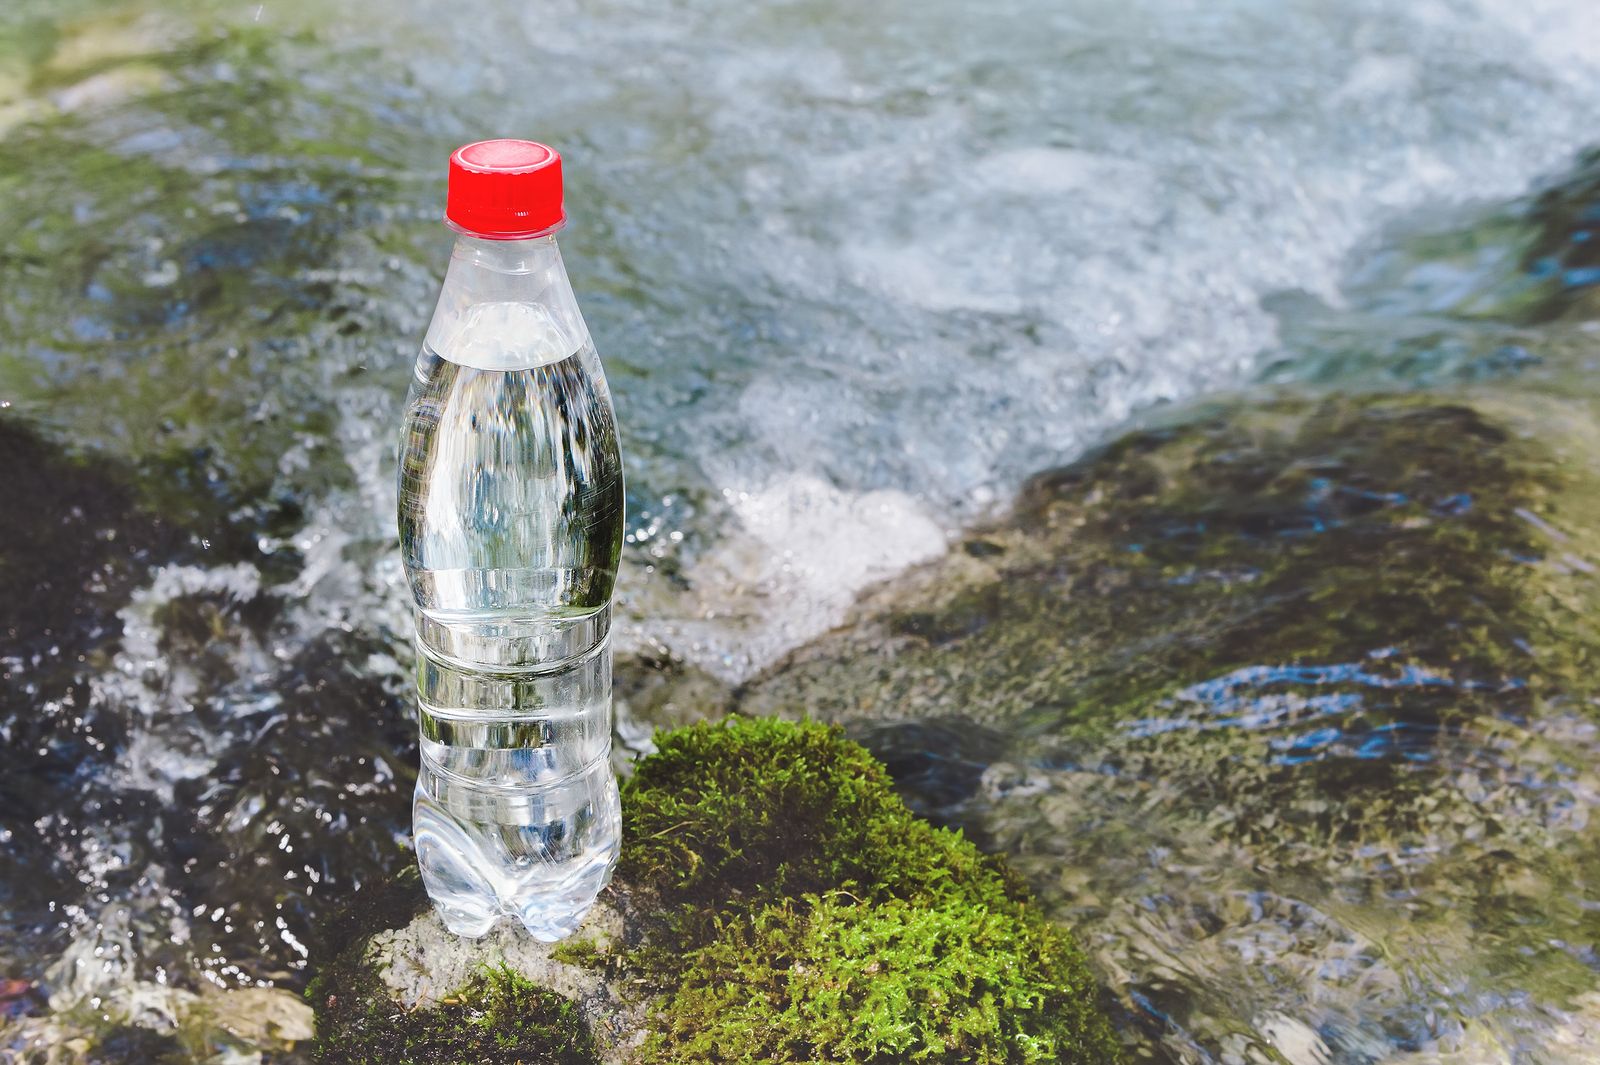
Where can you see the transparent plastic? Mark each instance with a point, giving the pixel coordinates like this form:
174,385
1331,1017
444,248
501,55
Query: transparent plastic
511,524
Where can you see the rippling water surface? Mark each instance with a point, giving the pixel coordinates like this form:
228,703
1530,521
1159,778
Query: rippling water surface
856,272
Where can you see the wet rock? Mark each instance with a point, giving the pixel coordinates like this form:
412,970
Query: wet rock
73,541
264,1017
187,778
937,763
659,691
141,663
1534,262
125,1046
73,544
1321,669
155,1025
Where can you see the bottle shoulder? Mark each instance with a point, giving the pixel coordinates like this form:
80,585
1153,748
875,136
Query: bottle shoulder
506,335
507,308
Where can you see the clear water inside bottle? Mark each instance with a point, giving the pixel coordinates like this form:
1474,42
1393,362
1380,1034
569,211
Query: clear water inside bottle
511,524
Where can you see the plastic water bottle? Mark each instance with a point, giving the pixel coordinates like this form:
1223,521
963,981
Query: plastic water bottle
511,525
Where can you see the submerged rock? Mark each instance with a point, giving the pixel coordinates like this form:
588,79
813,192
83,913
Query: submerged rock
73,545
1322,669
777,903
166,1026
1404,532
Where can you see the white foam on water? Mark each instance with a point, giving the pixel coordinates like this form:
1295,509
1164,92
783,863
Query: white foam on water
159,689
801,550
1563,35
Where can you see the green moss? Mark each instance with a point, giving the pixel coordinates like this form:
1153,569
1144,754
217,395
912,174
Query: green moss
807,915
835,979
755,810
584,953
498,1018
793,910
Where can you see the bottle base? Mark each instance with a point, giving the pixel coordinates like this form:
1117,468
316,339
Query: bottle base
544,927
545,876
546,914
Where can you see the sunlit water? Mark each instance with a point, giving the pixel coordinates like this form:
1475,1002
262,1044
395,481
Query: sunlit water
856,272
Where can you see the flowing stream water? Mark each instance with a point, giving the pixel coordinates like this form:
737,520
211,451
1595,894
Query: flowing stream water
856,271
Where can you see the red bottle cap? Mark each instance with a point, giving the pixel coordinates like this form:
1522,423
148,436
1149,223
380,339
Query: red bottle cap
505,190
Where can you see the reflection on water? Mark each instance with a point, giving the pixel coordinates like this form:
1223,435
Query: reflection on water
856,273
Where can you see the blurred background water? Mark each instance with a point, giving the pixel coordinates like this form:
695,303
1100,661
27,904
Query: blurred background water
855,271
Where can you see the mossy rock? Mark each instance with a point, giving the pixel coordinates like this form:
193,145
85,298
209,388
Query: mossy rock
1399,560
1495,270
1234,684
777,902
1561,263
496,1016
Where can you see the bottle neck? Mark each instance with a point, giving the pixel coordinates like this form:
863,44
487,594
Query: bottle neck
506,305
507,257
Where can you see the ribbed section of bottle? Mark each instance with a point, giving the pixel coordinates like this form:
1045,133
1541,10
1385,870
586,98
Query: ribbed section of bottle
516,810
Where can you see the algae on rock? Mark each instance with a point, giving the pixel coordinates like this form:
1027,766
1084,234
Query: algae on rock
777,902
1297,530
1287,661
